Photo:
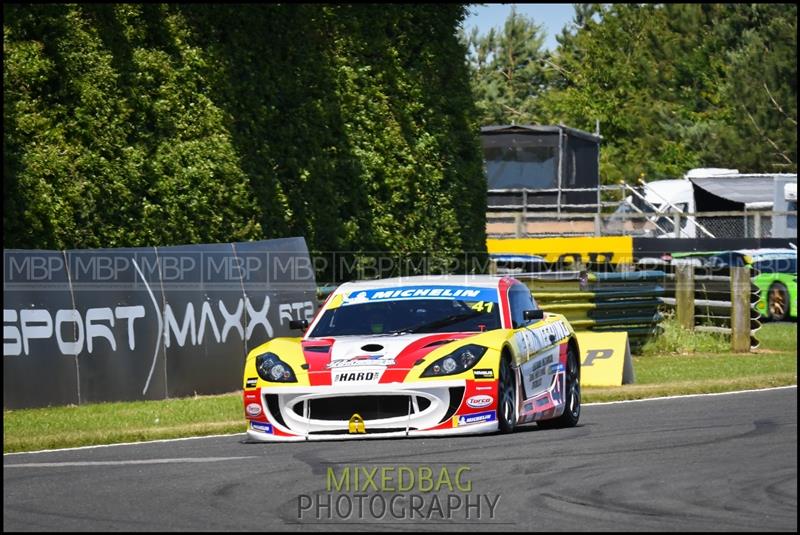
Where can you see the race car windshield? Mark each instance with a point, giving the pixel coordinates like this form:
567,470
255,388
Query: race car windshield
409,316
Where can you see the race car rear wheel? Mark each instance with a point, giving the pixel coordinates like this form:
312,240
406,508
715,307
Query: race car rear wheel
778,302
506,397
572,412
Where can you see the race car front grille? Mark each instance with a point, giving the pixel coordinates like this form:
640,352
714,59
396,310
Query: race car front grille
274,408
342,408
456,395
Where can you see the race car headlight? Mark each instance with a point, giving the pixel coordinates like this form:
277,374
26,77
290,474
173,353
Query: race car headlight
271,368
460,360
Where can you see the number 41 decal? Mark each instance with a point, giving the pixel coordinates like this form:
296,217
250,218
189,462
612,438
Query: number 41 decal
483,306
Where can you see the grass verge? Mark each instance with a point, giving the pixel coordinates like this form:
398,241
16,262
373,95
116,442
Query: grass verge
673,368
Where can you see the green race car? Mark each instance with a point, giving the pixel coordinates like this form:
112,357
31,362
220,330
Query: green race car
776,277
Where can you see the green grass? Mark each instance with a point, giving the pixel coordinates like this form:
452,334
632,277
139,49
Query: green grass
778,337
106,423
675,340
679,364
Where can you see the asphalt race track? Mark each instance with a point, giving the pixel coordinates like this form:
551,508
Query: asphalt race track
707,463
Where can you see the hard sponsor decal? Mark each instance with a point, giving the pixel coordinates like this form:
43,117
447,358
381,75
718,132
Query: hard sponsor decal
421,292
251,382
477,402
483,374
362,360
357,376
253,409
258,426
476,418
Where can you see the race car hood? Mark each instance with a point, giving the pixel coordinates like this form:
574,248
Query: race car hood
380,358
377,358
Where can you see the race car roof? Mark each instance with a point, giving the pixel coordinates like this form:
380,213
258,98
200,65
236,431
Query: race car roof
479,281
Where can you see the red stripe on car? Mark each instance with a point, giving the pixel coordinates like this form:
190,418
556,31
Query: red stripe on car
414,351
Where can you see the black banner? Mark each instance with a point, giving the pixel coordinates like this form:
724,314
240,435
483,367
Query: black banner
145,323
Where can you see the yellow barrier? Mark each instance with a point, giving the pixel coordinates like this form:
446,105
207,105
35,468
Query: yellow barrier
582,249
605,359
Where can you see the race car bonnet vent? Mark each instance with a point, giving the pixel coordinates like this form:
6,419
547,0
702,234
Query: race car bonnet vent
372,347
439,343
317,349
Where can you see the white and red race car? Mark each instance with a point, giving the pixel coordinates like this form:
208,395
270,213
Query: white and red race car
416,356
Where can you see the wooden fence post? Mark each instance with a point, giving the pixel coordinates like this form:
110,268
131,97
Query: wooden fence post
684,295
740,309
520,224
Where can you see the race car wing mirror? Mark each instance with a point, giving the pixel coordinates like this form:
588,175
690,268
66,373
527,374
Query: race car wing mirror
298,324
533,314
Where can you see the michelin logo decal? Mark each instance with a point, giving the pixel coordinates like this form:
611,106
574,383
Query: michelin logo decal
421,292
478,418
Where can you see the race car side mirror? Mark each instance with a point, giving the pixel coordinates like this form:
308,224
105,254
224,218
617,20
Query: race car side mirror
298,324
533,314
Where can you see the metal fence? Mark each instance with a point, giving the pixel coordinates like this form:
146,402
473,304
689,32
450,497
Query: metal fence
525,224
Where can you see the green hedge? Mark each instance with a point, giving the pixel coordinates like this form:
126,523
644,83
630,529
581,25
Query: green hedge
137,125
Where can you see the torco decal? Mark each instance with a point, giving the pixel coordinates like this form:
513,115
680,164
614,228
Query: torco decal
483,374
477,402
253,409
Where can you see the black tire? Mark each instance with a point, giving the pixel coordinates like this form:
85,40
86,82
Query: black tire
778,302
506,397
572,393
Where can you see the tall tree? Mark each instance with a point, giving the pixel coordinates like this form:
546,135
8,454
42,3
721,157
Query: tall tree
680,85
761,88
508,71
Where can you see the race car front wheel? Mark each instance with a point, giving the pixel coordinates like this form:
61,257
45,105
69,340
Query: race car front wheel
506,397
778,302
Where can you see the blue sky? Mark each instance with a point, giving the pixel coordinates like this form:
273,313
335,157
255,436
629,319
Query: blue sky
552,16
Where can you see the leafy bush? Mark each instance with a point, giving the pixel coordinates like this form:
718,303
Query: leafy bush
137,125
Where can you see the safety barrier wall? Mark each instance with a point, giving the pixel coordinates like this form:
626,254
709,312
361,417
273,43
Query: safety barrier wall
603,302
86,326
